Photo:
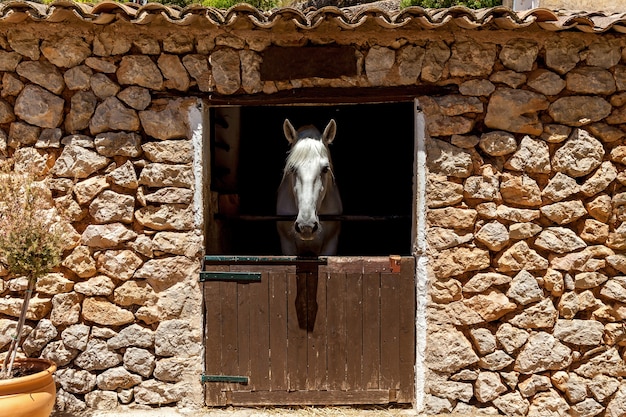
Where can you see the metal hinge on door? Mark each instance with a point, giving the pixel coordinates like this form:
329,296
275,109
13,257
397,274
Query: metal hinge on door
225,378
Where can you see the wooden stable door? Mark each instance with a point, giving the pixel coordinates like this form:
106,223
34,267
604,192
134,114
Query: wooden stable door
309,333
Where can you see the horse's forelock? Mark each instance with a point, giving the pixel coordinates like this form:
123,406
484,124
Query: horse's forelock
304,150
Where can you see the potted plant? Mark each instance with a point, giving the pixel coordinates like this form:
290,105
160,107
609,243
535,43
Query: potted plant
30,246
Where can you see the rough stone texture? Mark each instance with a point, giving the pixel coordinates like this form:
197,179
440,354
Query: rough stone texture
526,210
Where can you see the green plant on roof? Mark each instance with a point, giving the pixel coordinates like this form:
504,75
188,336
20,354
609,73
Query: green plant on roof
439,4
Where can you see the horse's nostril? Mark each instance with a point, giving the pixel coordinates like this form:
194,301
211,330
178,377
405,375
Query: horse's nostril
297,227
315,227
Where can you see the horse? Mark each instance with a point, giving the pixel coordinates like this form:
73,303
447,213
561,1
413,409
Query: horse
307,190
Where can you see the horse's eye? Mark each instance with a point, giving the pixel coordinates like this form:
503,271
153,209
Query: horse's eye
325,169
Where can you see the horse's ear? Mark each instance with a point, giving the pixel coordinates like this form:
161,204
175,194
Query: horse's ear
329,132
290,132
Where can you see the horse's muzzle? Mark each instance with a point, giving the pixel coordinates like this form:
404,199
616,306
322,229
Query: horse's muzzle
306,232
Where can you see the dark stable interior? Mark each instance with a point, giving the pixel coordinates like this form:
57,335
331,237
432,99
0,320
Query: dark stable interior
372,154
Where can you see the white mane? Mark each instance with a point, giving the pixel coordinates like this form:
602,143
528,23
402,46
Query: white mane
304,150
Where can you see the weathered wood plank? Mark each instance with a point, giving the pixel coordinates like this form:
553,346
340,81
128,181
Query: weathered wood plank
278,331
213,341
230,328
296,345
354,331
316,339
269,398
390,330
260,334
336,327
371,331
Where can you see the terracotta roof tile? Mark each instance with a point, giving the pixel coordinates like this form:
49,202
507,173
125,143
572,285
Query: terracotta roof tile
348,18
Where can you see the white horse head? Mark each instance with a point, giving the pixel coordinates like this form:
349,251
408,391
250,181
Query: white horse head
307,190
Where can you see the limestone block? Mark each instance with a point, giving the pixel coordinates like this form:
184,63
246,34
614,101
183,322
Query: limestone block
510,78
78,162
133,335
139,70
615,289
482,187
124,176
102,312
559,240
536,316
134,293
170,195
140,361
440,238
76,336
443,193
451,217
524,288
600,179
579,110
494,235
448,350
58,352
116,378
41,335
112,114
198,68
590,80
511,338
519,54
226,64
488,387
579,332
482,281
512,404
111,207
562,54
520,190
519,231
136,97
446,159
43,74
106,235
177,338
175,74
520,256
101,400
484,340
118,144
65,309
100,285
470,58
516,215
76,381
532,156
39,107
103,87
177,217
542,352
546,82
164,272
435,58
564,212
97,356
169,151
152,392
515,111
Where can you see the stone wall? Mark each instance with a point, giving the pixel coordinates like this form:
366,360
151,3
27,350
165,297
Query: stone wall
526,238
525,203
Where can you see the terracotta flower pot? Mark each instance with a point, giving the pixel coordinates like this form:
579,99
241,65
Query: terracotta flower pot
31,395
